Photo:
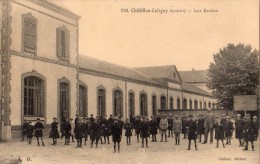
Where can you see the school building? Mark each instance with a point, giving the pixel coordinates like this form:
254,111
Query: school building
43,75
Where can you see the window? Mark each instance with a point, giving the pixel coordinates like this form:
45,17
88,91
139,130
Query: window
205,105
171,103
63,37
143,104
163,102
200,105
33,96
29,34
131,104
184,103
118,103
64,99
154,105
83,101
178,103
101,102
190,104
196,104
209,105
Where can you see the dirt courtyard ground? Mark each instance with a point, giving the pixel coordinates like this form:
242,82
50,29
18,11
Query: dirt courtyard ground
159,152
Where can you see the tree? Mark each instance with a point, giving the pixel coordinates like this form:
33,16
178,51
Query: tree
235,71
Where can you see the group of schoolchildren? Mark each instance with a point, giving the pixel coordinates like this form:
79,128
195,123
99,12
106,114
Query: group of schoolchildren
101,127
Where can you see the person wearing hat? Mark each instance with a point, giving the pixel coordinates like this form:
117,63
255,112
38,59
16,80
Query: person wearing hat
95,132
116,134
219,132
208,125
170,126
128,131
79,132
54,134
177,127
137,127
192,131
144,131
223,122
153,128
105,132
91,119
38,127
249,131
163,127
30,130
229,130
184,123
72,129
201,129
67,130
25,127
239,124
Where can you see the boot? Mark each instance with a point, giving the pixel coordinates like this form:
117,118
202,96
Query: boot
114,149
253,148
38,143
175,141
91,145
196,147
178,141
217,145
43,144
188,147
118,147
246,148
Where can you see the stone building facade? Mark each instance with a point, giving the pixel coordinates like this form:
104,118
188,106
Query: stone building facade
43,75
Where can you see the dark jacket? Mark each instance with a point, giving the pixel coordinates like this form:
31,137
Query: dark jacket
170,123
95,130
153,127
192,130
239,128
30,130
184,124
116,132
54,130
128,129
25,127
144,129
79,130
67,129
219,131
201,129
38,127
229,129
137,126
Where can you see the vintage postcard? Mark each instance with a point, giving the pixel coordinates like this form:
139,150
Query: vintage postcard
129,81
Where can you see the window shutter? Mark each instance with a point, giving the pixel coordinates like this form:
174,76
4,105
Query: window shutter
58,42
67,43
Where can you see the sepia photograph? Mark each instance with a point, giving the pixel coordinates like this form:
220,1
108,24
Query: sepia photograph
129,81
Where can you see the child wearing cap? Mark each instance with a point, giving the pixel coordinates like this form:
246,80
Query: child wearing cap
219,132
153,128
38,127
239,124
116,134
192,131
229,130
54,134
128,131
145,131
67,131
25,127
30,130
177,127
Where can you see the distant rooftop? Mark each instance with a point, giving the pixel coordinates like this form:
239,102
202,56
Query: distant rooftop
195,76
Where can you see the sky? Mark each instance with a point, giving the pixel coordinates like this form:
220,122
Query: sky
187,40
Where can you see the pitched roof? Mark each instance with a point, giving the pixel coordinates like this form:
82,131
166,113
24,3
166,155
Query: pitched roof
100,66
156,72
194,76
191,88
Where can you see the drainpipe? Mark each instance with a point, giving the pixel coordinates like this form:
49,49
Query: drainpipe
125,99
167,97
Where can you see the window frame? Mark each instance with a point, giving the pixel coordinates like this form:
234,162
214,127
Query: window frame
66,56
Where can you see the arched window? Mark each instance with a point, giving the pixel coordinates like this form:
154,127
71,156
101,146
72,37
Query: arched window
83,106
196,104
118,103
154,105
64,99
171,103
184,103
200,105
33,101
190,104
143,104
205,105
163,102
101,102
29,34
131,97
178,103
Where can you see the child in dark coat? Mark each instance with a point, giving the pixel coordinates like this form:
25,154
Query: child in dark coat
219,132
128,131
95,132
145,131
54,134
116,134
79,132
229,130
67,131
30,130
192,131
25,127
38,127
153,128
